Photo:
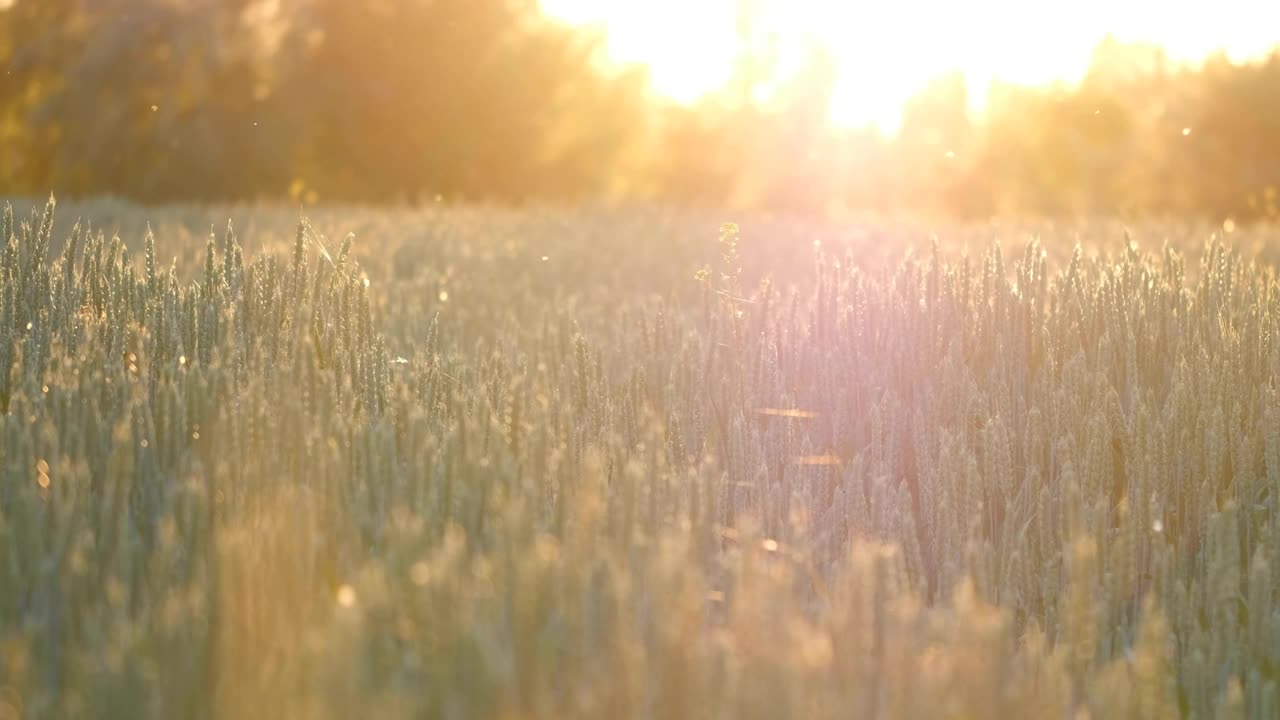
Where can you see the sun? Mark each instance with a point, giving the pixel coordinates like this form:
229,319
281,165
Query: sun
883,51
886,51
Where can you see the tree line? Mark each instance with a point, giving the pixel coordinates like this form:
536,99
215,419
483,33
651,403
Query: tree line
489,100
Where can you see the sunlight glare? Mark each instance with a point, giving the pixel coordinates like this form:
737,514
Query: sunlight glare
687,46
885,52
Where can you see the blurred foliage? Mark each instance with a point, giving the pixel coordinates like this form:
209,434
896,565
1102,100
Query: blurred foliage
354,101
406,100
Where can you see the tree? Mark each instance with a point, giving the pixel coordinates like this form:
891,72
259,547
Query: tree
30,34
470,98
223,99
153,99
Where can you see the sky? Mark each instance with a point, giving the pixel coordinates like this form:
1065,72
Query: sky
885,51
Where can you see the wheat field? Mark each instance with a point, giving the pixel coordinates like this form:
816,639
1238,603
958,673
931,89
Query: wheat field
472,462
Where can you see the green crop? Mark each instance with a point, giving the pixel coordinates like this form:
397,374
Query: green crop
482,463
